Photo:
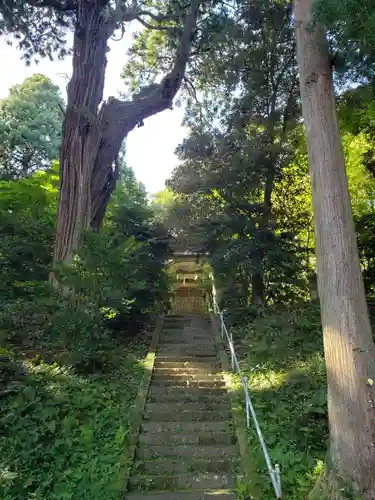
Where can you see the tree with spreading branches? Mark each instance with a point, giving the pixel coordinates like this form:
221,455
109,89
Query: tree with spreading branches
94,130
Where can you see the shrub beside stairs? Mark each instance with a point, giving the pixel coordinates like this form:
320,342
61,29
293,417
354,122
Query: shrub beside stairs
186,447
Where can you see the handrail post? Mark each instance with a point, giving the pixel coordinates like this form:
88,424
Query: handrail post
278,479
232,350
246,379
221,324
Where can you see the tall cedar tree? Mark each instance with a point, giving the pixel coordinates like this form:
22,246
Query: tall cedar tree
94,131
348,343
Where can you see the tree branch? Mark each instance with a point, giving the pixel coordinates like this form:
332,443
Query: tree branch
156,17
132,13
118,118
61,5
152,26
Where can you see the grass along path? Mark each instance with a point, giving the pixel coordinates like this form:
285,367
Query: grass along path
282,354
63,435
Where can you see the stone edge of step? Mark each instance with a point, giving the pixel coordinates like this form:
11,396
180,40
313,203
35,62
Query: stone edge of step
140,401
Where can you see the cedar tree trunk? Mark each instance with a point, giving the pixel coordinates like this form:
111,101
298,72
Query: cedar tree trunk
82,127
93,135
348,342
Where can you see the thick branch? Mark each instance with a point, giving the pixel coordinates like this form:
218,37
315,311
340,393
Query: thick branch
119,118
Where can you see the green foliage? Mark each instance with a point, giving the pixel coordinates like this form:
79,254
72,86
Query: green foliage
30,127
357,113
242,140
118,275
356,110
365,226
70,360
351,25
361,181
27,223
39,28
151,53
282,355
63,435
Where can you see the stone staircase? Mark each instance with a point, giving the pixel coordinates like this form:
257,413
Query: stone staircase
187,448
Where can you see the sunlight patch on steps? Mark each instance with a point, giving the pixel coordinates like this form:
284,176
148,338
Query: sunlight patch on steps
217,492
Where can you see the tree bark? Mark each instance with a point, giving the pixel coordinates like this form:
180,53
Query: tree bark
121,117
92,137
348,343
82,127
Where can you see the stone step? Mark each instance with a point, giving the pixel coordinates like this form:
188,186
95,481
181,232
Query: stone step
175,325
156,427
186,447
171,330
176,318
178,334
183,481
188,345
188,412
165,352
180,406
188,341
199,365
159,378
159,393
180,438
184,495
213,359
183,396
173,466
193,370
198,346
187,331
182,350
224,452
183,384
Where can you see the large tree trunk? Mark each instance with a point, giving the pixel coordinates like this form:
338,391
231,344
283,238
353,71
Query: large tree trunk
91,137
348,343
82,127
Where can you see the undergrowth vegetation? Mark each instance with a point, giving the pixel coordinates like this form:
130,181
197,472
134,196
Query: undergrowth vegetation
282,355
64,435
71,359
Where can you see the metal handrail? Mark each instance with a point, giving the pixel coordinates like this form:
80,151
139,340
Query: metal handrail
274,472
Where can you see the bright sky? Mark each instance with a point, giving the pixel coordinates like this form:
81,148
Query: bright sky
150,149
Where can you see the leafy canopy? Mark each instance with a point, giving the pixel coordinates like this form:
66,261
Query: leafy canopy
30,127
